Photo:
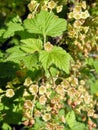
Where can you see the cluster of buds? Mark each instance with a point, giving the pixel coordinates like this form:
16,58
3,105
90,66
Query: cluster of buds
83,41
28,108
79,98
79,11
91,124
80,35
50,105
54,126
49,5
71,91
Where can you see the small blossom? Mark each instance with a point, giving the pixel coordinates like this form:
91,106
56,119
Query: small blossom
65,84
74,82
25,94
48,94
82,82
77,24
48,108
28,104
51,5
77,9
70,15
26,122
37,113
9,85
32,5
10,93
27,114
42,90
31,122
59,127
63,119
59,8
85,14
46,117
1,91
16,81
45,7
33,89
30,16
48,46
86,29
83,4
42,100
77,15
27,82
55,101
60,90
72,33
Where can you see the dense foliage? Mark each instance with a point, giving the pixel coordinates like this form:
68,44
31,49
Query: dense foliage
49,65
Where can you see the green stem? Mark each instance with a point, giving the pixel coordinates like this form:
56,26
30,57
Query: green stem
33,105
44,38
53,82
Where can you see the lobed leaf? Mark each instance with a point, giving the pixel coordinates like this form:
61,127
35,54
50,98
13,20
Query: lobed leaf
57,56
31,45
46,23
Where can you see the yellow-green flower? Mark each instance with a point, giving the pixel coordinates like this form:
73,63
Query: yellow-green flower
42,99
45,7
51,5
70,15
77,9
28,104
59,8
42,90
46,117
32,5
48,46
26,93
33,89
1,91
77,24
77,15
83,4
60,90
27,82
85,14
10,93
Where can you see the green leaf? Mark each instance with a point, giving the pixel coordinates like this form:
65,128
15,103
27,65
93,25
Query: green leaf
57,56
5,126
73,124
31,61
70,119
12,28
89,61
39,123
61,112
95,63
8,69
94,87
2,31
15,54
78,126
39,106
47,24
1,54
31,45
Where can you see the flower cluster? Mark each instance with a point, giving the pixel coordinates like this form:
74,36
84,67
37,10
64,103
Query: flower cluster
83,41
47,102
79,11
49,5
